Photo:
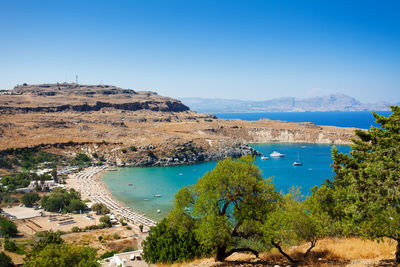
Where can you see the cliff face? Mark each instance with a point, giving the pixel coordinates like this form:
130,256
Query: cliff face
83,98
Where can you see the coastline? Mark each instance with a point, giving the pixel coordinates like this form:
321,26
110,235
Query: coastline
88,184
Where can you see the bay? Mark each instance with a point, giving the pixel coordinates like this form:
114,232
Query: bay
147,182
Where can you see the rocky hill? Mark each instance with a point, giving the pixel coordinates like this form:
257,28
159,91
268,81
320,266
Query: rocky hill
333,102
69,96
128,127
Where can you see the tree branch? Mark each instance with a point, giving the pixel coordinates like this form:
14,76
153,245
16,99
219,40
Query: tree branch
313,243
282,252
230,252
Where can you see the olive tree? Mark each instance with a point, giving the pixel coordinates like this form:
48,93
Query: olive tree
227,204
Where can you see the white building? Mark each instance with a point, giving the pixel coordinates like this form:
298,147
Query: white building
126,259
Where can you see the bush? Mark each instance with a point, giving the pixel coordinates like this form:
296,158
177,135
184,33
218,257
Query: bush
47,238
75,229
30,198
108,254
9,245
7,227
123,150
133,148
165,244
100,209
5,261
106,221
128,249
64,255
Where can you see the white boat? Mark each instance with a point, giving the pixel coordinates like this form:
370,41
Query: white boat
157,195
264,158
276,154
158,211
298,162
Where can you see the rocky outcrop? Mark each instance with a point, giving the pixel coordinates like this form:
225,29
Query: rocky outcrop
83,98
191,157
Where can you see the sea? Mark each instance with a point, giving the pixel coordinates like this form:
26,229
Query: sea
151,189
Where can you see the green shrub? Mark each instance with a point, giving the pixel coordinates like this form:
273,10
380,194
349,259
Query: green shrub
30,198
75,229
7,227
133,148
108,254
165,244
5,261
128,249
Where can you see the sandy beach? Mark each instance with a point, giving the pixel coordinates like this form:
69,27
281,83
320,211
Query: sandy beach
88,183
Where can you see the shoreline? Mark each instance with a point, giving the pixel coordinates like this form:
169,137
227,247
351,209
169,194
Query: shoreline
88,183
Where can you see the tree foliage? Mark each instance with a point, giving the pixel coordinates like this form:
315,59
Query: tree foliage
365,188
63,200
227,204
100,209
5,261
166,244
30,198
7,228
63,255
47,238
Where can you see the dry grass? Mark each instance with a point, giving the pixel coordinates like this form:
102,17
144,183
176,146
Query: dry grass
353,252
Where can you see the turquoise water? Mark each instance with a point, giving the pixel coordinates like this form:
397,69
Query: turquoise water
166,181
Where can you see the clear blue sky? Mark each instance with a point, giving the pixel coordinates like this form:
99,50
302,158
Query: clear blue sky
226,49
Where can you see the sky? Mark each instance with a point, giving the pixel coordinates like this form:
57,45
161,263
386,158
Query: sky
249,50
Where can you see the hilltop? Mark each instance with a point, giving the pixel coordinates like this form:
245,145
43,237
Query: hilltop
129,127
333,102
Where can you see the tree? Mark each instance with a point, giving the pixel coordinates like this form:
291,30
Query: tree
30,198
228,204
5,261
106,220
47,239
62,200
63,255
167,245
366,182
292,223
76,205
100,209
7,227
54,175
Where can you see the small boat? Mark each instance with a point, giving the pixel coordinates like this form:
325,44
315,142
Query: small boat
157,195
180,173
146,199
158,211
298,162
276,154
129,184
264,158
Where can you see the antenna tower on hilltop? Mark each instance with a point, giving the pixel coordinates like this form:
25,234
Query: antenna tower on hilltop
76,79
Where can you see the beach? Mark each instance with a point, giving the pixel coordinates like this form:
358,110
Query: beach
88,183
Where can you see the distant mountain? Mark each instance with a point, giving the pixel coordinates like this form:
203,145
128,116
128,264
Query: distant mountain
333,102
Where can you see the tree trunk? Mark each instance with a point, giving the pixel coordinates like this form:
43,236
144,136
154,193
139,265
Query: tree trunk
398,251
221,253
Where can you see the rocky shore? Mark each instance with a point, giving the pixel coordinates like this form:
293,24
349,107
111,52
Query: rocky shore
192,157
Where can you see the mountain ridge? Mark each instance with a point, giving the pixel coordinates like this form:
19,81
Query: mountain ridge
332,102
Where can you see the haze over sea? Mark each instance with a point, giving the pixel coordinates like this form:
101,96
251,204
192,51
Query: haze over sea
166,181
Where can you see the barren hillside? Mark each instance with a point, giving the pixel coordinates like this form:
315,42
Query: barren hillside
70,118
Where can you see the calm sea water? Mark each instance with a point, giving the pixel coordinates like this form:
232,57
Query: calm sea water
166,181
359,119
